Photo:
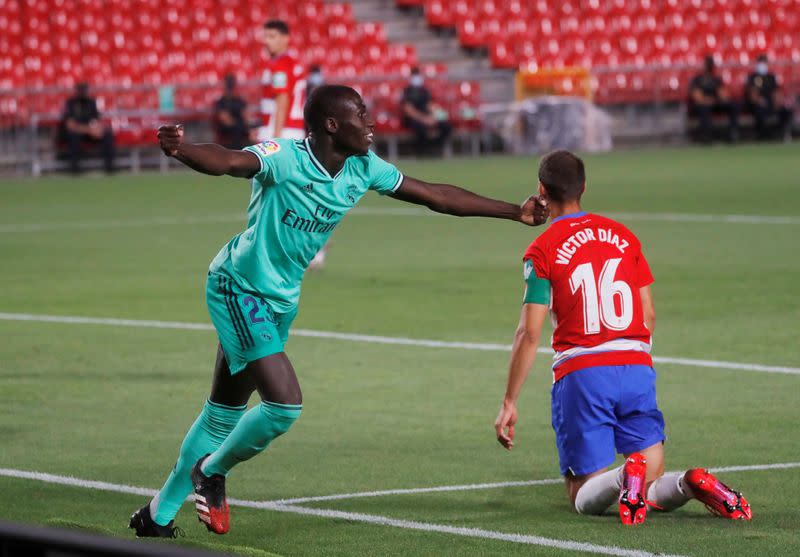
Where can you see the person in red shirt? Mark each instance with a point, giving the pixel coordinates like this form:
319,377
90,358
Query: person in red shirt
590,273
283,87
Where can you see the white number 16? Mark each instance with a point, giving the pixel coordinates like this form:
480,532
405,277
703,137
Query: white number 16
601,309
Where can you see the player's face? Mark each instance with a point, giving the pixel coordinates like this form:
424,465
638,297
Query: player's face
356,127
275,41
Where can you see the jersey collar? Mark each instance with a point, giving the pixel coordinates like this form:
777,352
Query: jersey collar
318,164
570,216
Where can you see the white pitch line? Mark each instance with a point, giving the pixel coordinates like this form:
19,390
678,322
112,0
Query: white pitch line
373,339
76,482
498,485
412,491
379,211
567,545
701,218
122,223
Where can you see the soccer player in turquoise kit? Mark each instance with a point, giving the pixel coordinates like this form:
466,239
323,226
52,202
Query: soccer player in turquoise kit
590,273
301,189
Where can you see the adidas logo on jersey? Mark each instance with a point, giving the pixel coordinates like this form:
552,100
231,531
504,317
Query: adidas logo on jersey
308,187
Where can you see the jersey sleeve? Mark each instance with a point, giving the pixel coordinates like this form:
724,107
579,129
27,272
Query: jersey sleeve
270,154
384,177
537,279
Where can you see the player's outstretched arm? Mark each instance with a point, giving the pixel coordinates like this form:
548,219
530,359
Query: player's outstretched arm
452,200
523,354
208,158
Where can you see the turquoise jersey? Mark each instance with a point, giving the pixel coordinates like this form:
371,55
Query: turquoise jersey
294,207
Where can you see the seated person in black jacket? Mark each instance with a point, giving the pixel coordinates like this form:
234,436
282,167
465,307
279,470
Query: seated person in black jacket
428,121
764,100
707,96
82,130
229,120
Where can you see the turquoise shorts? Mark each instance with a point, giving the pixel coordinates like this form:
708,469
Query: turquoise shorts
247,327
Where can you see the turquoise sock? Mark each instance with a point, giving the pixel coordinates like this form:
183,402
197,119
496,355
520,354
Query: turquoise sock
252,434
208,432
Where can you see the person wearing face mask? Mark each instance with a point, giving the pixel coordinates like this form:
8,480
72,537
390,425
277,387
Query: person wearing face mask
708,96
82,131
764,100
428,121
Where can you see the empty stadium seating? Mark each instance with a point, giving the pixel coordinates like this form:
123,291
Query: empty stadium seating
623,40
138,44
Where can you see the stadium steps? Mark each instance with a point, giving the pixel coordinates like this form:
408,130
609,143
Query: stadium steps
409,26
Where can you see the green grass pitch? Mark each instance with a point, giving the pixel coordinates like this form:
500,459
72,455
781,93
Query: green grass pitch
111,403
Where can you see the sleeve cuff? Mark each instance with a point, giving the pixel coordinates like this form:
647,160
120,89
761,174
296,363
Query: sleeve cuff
260,160
399,182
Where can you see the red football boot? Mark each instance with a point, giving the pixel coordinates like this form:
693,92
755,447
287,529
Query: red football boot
632,503
716,496
209,500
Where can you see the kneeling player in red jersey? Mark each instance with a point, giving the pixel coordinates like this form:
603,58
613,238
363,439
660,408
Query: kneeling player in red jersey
590,272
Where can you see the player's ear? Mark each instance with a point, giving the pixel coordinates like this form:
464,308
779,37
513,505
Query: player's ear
542,191
583,189
331,125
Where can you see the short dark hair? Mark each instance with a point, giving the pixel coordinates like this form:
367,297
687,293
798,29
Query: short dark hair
278,24
324,102
563,176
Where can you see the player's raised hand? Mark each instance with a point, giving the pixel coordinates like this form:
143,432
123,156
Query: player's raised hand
169,138
535,211
504,424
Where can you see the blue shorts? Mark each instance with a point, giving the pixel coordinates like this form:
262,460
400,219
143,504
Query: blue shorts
600,411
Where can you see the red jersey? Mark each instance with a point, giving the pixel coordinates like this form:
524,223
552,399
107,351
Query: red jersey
284,74
595,267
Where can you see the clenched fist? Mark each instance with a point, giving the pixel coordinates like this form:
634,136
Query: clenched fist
535,211
169,138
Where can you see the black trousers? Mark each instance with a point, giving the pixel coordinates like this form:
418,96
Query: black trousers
234,137
703,113
765,115
428,139
77,144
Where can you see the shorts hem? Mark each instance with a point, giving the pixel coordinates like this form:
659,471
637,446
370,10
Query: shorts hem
253,356
588,469
628,449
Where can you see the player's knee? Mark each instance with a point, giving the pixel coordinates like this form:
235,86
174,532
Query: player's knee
280,417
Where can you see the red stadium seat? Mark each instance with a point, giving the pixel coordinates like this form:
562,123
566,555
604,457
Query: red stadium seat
52,42
502,54
439,13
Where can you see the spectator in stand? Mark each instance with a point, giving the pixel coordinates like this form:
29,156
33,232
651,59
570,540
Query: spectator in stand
427,120
83,132
229,119
764,100
708,96
315,79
